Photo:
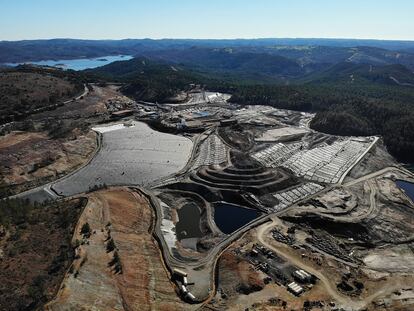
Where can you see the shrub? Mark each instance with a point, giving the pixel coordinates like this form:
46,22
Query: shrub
86,230
110,246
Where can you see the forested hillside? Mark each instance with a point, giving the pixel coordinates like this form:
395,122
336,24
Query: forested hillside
27,89
146,79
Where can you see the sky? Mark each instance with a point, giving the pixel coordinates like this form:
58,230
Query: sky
202,19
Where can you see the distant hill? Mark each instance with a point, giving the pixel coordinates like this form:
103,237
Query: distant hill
34,50
357,74
283,64
27,89
307,55
232,61
147,79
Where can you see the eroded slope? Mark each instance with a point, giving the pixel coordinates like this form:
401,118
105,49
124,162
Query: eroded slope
141,283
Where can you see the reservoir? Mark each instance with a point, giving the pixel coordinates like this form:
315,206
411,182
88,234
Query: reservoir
229,217
78,64
408,188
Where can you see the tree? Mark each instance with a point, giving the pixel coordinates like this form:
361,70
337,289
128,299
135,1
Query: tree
110,246
116,263
86,230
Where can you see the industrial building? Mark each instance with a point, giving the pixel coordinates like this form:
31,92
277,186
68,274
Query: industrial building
295,289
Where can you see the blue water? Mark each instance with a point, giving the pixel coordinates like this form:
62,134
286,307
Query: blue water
78,64
201,114
408,188
229,217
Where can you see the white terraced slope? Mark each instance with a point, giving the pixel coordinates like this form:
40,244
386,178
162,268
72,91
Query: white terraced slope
325,163
276,154
290,196
212,152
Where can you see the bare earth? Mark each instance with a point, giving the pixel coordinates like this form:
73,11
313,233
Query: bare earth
27,158
143,284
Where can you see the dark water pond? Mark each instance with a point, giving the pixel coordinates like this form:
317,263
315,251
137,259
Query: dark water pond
78,64
188,225
229,217
408,188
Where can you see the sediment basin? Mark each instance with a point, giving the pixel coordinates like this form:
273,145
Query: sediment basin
408,188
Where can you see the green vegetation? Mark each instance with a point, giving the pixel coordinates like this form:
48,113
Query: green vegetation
26,90
147,80
332,50
86,230
37,250
110,246
233,63
116,263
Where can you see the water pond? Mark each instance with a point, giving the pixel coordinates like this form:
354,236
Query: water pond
408,188
188,225
201,114
80,63
229,217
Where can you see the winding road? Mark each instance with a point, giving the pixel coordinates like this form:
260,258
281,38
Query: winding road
353,304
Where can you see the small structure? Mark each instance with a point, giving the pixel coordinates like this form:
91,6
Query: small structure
121,114
228,122
190,297
254,252
179,272
302,276
295,289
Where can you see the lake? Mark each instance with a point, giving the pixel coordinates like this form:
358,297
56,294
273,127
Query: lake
408,188
229,217
78,64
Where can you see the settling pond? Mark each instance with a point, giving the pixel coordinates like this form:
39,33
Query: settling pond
188,225
229,217
408,188
201,114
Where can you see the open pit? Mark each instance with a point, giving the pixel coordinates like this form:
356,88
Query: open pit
241,181
289,198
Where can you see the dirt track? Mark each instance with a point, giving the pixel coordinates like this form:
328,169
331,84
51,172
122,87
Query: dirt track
346,302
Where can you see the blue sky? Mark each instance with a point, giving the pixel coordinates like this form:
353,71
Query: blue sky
105,19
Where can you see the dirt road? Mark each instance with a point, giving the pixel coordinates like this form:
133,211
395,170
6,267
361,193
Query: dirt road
346,302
